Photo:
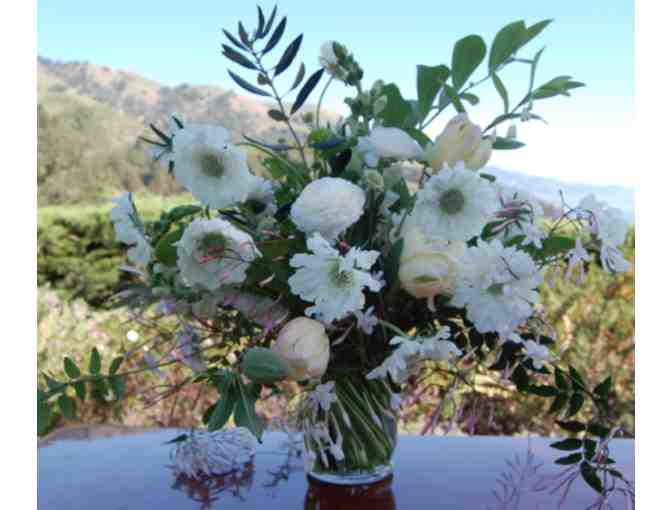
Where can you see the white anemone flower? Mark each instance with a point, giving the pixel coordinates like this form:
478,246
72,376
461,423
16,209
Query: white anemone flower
209,166
455,204
388,142
212,253
333,282
328,206
497,286
262,191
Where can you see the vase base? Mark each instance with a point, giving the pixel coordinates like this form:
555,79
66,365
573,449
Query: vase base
353,478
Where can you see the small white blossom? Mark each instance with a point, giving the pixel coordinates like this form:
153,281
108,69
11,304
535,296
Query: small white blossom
328,206
323,395
121,215
366,321
132,336
497,286
333,282
141,253
454,205
608,223
212,253
533,235
539,354
613,260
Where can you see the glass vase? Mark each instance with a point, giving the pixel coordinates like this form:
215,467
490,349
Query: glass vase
349,437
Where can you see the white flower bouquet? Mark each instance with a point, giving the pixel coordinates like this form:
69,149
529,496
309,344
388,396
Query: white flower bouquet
363,250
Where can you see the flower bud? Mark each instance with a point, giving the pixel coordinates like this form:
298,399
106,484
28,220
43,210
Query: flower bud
428,267
304,344
459,141
328,58
511,132
480,157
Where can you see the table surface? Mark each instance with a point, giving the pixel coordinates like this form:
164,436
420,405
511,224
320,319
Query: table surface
118,468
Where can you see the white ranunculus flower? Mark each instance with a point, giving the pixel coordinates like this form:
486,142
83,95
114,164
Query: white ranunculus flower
333,282
461,140
428,267
210,167
498,286
212,253
455,205
304,343
388,142
328,206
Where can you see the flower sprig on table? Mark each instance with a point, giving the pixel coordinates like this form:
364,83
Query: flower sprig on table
330,263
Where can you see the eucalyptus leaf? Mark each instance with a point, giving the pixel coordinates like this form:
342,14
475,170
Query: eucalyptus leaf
506,144
261,22
277,115
269,23
288,56
276,36
307,88
568,444
222,412
573,458
70,368
242,33
233,40
94,362
468,54
590,476
248,86
501,90
299,76
237,57
68,406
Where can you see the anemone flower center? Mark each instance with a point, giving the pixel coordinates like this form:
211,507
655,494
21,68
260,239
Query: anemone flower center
496,289
340,278
452,201
212,246
211,164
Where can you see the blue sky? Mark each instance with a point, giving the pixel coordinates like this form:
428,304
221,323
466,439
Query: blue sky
587,137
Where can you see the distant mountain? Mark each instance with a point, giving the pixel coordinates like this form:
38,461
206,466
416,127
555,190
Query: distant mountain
547,190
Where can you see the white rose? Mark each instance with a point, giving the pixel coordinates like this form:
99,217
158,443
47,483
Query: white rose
304,343
328,206
461,140
428,267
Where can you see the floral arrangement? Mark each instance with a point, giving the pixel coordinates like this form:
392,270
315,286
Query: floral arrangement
365,250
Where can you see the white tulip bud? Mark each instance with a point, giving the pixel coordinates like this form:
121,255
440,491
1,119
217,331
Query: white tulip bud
511,132
304,343
460,141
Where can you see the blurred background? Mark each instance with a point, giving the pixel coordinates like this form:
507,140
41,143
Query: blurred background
105,71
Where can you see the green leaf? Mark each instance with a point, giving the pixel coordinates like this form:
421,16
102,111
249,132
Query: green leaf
573,458
572,426
288,56
305,91
520,378
575,404
179,439
116,363
67,406
577,381
589,448
534,30
94,362
568,444
429,80
221,412
275,38
233,40
242,33
277,115
560,379
43,414
237,57
118,385
70,368
80,390
245,414
418,136
598,430
165,250
506,42
542,391
559,403
391,263
299,76
269,23
397,111
448,96
556,245
590,476
248,86
602,390
261,21
506,144
501,90
468,54
472,99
